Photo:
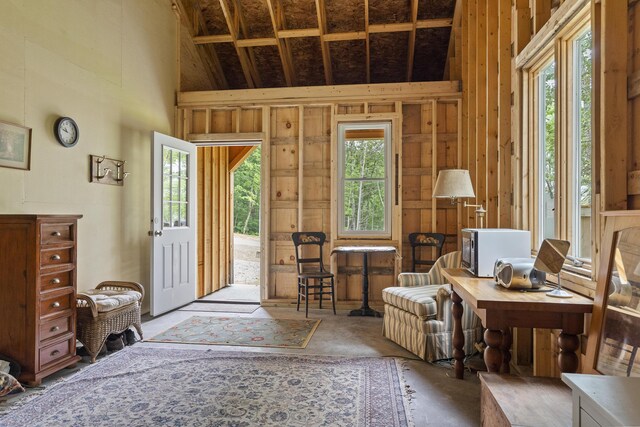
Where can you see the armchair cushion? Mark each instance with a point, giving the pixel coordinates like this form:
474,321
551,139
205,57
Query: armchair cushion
419,301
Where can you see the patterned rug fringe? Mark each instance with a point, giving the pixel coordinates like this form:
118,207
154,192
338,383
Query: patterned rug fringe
407,391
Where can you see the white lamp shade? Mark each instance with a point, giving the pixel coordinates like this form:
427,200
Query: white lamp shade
453,183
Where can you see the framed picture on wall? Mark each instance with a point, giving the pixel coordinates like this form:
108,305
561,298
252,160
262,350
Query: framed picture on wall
15,146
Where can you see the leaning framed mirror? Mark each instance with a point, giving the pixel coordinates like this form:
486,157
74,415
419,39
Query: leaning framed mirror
614,335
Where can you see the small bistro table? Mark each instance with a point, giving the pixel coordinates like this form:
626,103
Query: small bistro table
364,310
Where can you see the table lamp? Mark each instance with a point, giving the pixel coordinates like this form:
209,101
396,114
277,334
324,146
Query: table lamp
455,184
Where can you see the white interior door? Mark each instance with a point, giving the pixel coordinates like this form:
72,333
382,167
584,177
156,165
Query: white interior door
173,230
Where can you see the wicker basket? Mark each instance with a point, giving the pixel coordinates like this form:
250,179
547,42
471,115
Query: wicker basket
94,327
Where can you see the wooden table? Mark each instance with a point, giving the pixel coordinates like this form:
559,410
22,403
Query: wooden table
364,310
500,308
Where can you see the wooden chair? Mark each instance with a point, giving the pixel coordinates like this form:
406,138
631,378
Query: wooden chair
425,239
311,272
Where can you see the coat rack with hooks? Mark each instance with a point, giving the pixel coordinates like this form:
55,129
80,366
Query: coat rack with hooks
105,170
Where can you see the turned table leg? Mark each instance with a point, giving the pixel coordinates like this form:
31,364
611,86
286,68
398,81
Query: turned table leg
493,352
506,350
458,336
568,359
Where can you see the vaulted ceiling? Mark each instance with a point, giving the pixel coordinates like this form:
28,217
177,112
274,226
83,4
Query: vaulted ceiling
239,44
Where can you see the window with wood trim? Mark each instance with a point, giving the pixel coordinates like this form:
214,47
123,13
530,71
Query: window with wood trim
559,96
364,179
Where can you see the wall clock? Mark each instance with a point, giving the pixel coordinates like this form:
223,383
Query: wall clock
66,131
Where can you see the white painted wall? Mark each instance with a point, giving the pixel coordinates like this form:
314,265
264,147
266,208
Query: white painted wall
110,65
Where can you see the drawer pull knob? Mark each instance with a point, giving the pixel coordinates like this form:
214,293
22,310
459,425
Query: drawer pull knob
54,352
55,257
55,329
56,234
55,281
55,304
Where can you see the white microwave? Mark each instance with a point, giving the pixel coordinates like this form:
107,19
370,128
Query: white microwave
481,247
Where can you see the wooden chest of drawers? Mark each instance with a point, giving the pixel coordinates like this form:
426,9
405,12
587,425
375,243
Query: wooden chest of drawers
37,292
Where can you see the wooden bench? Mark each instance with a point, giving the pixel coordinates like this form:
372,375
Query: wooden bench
507,400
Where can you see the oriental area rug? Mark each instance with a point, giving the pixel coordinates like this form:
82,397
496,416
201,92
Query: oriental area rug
144,386
242,331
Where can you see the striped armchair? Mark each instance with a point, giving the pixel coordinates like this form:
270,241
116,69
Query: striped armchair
418,313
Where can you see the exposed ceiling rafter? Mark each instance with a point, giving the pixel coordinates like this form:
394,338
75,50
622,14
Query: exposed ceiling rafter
284,49
242,54
412,39
190,18
367,40
324,45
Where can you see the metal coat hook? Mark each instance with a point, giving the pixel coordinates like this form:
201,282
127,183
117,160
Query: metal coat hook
104,170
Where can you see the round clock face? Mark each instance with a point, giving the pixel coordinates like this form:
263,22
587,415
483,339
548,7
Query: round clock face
66,131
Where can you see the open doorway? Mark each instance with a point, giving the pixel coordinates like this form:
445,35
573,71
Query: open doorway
244,244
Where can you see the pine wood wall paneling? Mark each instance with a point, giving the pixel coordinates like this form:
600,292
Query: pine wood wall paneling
613,105
282,168
431,180
285,128
493,94
633,186
541,13
505,179
468,217
480,178
465,119
521,34
266,288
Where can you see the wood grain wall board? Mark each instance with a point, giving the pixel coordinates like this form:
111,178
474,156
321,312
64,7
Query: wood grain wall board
250,120
223,120
382,108
350,109
284,188
284,157
199,121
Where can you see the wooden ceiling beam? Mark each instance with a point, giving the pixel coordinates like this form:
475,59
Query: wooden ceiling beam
326,54
412,39
283,51
305,32
263,41
192,19
328,37
367,40
434,23
223,38
341,37
396,27
242,54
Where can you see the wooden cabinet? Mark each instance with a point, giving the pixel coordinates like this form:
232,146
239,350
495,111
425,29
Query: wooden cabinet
37,292
604,400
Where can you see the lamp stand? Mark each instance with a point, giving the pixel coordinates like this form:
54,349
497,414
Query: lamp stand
558,292
480,212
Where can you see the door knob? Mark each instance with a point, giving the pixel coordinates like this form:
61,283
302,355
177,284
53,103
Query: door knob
157,233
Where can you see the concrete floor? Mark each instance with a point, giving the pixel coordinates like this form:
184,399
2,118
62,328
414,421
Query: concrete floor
438,399
235,293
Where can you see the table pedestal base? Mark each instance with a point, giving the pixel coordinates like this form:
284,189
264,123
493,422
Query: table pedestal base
365,311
